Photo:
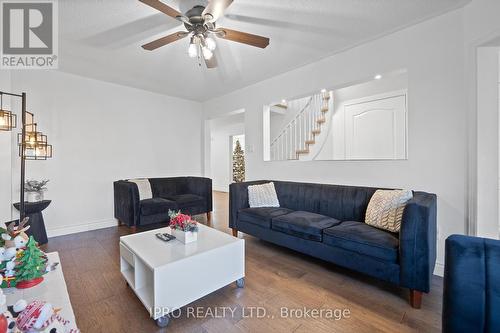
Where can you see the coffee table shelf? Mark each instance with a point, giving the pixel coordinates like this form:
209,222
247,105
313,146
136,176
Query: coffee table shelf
169,275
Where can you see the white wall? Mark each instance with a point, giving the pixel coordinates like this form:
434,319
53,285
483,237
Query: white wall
433,53
103,132
5,155
222,130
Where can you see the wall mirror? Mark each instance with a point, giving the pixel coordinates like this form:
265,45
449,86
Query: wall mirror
363,121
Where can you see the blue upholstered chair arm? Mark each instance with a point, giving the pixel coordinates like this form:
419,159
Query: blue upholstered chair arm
417,242
127,206
201,186
238,199
471,295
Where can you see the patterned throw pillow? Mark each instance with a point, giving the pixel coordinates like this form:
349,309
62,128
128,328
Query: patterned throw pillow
144,187
262,196
385,209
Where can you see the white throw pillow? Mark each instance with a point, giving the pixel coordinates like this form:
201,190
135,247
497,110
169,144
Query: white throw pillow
144,188
262,196
385,209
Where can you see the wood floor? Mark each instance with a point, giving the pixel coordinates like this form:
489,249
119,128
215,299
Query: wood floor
275,278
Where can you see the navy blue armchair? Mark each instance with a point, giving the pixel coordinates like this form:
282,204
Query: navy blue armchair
327,222
471,296
190,195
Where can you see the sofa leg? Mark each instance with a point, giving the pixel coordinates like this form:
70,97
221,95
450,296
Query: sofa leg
235,232
209,218
415,299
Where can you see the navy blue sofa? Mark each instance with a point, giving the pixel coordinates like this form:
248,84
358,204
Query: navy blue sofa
327,222
471,297
190,195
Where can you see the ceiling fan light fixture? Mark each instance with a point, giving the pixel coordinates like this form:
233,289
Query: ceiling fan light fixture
207,54
193,50
210,43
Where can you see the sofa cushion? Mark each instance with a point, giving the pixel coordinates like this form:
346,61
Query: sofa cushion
156,206
386,207
263,195
187,200
303,224
164,187
361,238
261,216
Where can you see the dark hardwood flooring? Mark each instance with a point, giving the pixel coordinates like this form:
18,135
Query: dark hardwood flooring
275,278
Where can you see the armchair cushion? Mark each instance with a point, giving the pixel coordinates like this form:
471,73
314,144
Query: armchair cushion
187,200
156,206
303,224
261,216
361,238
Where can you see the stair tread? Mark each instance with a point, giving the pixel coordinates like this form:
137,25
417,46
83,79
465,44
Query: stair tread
321,120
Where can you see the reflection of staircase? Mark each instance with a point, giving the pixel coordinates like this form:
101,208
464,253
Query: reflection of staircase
302,132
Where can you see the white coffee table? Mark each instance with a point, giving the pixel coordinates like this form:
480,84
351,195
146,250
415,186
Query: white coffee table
169,275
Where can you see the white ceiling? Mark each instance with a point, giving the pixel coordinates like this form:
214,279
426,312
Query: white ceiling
101,39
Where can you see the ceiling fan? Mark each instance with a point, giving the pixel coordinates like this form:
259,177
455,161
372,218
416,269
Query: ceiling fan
200,23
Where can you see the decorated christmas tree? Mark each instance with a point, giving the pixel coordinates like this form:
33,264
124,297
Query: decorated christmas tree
238,163
31,265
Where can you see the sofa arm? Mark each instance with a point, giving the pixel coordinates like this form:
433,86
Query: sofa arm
417,242
127,206
238,199
203,187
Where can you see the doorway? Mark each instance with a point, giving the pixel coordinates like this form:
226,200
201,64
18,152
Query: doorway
223,134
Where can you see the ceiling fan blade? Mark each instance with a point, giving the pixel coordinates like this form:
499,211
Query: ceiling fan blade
242,37
165,40
158,5
212,62
215,9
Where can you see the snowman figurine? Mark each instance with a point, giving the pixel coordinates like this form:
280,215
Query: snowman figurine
7,321
41,317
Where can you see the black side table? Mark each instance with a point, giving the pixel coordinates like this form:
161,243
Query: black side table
33,210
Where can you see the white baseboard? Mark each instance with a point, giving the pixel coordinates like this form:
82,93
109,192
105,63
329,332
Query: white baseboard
106,223
439,269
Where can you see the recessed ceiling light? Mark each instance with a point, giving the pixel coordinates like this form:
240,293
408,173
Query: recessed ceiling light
323,90
283,101
378,77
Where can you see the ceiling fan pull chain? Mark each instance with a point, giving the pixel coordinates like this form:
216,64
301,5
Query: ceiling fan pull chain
199,54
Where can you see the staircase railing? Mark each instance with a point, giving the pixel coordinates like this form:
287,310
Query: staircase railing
296,136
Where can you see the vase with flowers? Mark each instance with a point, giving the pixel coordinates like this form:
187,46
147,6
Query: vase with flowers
184,228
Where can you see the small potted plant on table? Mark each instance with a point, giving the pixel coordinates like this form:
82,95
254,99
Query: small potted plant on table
183,227
34,189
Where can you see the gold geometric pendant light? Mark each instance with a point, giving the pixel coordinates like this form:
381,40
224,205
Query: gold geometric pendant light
8,119
34,146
